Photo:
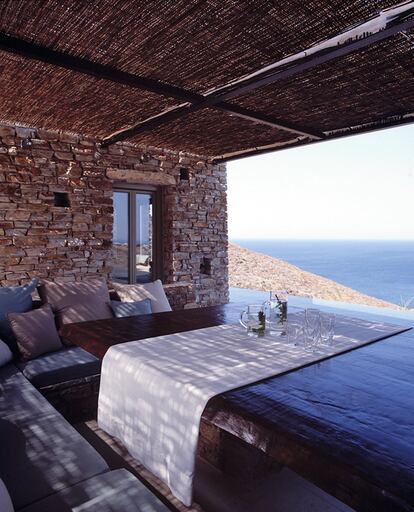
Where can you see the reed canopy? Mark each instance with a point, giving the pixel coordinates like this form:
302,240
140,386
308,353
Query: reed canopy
220,78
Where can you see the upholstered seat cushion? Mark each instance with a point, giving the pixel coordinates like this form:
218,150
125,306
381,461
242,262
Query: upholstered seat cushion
14,299
62,366
35,332
5,353
40,452
137,292
116,491
77,301
124,309
5,500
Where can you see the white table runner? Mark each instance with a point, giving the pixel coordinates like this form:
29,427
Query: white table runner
154,391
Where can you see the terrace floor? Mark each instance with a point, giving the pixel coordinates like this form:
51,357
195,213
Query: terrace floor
278,490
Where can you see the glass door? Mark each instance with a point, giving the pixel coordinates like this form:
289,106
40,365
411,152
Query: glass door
135,239
120,238
143,238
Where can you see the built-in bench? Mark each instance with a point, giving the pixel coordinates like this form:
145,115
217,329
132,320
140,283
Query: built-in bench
47,465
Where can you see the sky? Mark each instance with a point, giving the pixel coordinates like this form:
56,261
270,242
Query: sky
356,188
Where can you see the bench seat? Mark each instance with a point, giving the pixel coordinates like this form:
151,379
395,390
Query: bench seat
41,453
118,490
69,363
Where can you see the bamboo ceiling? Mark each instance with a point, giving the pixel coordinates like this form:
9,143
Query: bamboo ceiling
111,69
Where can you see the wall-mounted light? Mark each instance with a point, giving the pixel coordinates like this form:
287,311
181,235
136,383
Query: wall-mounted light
26,143
145,157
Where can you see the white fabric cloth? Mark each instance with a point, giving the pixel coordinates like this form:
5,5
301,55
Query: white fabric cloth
153,392
136,292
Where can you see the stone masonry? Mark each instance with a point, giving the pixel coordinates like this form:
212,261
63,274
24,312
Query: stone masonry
40,235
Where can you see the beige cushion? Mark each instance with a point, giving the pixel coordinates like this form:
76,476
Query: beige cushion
77,301
136,292
5,501
35,332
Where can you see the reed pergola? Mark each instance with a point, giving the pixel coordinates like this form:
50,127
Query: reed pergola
221,78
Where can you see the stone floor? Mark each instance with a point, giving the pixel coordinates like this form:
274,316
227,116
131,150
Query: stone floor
281,490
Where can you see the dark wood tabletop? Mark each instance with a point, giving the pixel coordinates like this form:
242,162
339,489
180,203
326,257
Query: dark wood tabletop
346,424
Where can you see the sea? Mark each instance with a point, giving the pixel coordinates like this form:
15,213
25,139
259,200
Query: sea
382,269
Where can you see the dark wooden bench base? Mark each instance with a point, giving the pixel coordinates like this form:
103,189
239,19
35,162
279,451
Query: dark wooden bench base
76,400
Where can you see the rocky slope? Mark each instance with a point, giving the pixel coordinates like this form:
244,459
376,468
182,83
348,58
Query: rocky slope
249,269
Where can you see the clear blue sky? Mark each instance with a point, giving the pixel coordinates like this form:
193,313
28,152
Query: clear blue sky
360,187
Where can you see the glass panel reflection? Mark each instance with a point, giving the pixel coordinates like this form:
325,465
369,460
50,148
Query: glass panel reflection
143,234
120,238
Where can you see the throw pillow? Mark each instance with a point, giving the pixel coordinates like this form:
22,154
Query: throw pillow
136,292
77,301
6,504
123,309
14,299
5,353
94,309
35,332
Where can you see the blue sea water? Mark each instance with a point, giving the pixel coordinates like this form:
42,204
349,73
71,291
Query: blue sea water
383,269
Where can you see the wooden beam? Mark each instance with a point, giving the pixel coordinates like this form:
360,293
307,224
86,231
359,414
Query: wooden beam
176,113
382,124
40,53
60,59
270,121
385,25
143,177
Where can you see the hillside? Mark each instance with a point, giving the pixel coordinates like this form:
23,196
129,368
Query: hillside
249,269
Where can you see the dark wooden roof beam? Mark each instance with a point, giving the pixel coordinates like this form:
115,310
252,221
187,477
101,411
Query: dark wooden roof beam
186,108
381,124
30,50
387,24
383,26
40,53
264,119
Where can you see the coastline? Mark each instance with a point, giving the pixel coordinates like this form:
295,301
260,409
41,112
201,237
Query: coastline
258,271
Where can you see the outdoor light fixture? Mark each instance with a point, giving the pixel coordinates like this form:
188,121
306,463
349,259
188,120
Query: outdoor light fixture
26,143
145,157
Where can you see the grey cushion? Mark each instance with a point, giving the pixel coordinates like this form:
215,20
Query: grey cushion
77,301
35,332
153,291
123,309
40,452
14,299
117,491
62,366
6,504
5,353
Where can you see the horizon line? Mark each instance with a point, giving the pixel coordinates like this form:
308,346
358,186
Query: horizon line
324,239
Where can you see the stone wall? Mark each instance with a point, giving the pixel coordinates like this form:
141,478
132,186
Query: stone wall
39,236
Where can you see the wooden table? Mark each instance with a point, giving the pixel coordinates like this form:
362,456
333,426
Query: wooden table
346,424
